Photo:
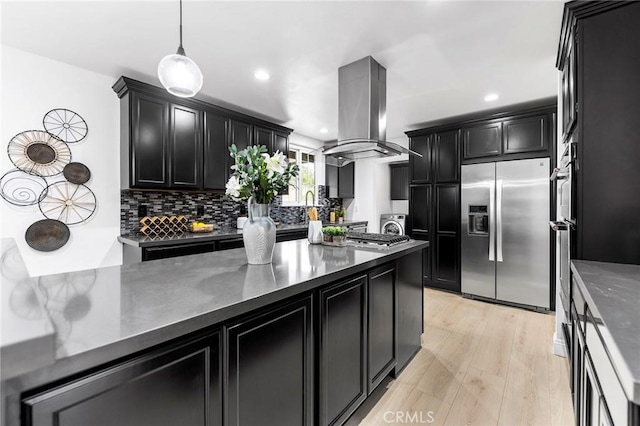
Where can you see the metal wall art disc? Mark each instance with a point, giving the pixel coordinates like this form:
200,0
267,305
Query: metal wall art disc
22,189
76,173
68,203
47,235
39,153
65,124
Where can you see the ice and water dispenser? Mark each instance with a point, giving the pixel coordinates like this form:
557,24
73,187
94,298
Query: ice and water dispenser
478,220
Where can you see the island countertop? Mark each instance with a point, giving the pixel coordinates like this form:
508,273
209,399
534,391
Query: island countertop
612,292
103,314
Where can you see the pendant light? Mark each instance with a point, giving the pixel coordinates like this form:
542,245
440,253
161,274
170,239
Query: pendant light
178,73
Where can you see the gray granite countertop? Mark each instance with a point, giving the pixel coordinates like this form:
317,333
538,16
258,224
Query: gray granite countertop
103,314
27,337
140,240
612,292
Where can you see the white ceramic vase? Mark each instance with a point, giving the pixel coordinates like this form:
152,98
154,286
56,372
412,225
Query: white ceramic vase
259,234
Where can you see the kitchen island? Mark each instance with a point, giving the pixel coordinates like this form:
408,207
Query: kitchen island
208,339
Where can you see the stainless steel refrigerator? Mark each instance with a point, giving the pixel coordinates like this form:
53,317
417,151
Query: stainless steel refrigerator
505,231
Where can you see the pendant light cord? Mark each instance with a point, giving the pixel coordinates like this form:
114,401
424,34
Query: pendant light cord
180,23
180,48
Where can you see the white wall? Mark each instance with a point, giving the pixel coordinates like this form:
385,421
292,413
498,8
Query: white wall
372,190
31,86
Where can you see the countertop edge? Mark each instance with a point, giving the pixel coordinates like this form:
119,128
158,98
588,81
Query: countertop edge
630,384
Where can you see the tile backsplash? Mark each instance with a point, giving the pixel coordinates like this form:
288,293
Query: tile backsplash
218,209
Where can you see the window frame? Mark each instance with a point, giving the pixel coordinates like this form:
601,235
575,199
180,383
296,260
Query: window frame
299,150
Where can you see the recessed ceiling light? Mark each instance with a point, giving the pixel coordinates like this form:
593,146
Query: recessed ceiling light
262,75
324,130
491,97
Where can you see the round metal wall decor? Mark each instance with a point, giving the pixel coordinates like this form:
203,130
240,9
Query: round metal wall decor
47,235
39,153
65,124
22,189
76,173
68,203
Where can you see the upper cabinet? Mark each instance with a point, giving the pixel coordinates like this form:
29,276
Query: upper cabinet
482,140
147,129
513,136
399,181
175,143
446,153
569,87
185,147
340,181
420,167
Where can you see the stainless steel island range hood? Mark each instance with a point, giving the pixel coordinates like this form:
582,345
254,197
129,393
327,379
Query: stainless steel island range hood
362,115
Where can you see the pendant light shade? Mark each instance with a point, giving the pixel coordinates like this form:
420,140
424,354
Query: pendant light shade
179,74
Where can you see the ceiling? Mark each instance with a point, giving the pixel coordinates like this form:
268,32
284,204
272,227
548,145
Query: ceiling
442,57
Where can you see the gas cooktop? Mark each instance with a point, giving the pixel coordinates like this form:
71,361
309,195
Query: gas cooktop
368,238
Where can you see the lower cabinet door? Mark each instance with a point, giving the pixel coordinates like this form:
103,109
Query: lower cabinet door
381,321
179,385
343,350
269,367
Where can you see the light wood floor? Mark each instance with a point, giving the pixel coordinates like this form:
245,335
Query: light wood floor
480,364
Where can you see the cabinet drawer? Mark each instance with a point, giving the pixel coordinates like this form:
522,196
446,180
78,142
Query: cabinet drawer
164,252
140,392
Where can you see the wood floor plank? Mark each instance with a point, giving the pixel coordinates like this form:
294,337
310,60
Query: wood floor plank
526,399
475,403
560,392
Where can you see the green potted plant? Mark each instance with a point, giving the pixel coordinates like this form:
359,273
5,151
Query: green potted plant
341,215
334,235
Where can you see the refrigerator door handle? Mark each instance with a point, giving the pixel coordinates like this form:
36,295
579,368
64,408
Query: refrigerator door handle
499,220
492,219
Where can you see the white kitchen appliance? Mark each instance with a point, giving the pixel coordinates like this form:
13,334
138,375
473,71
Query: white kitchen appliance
393,224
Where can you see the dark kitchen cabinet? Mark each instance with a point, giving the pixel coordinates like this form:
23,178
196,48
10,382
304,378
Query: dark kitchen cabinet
164,252
446,271
420,167
185,144
409,302
381,321
343,350
331,181
569,87
263,136
177,143
399,181
447,156
273,140
346,181
340,181
280,143
601,107
269,374
290,236
240,134
216,154
420,211
178,385
483,140
147,155
527,134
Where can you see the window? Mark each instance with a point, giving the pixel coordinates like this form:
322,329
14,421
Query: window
306,180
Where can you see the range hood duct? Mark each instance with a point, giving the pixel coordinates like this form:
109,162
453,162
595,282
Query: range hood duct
362,115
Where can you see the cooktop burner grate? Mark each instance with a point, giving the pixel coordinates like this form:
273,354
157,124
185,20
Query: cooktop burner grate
378,239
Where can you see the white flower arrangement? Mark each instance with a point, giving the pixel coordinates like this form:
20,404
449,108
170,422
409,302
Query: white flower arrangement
258,174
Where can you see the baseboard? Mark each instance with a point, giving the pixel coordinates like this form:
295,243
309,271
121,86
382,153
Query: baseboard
559,346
